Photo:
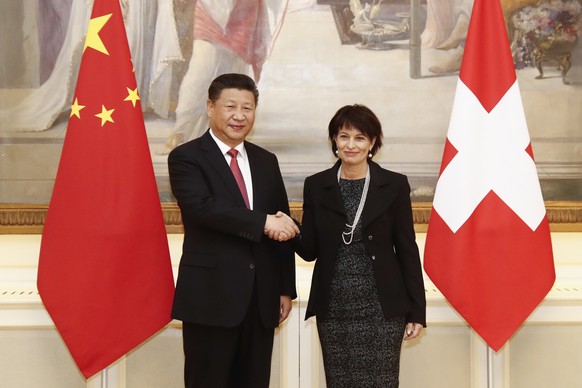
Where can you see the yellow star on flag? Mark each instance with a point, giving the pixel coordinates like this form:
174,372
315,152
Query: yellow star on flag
105,115
132,96
93,39
76,108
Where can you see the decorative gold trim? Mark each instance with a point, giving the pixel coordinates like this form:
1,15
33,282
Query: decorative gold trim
22,218
29,219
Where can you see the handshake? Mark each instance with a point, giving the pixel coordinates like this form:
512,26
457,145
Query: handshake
280,227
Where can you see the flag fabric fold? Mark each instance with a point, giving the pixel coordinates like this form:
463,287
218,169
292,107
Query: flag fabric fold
488,246
104,274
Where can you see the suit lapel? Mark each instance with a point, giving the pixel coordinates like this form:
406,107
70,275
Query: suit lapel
331,196
380,195
218,162
258,175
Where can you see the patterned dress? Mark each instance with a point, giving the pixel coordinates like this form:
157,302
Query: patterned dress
360,348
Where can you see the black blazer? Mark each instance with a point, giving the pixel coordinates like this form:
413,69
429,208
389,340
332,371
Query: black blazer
225,250
388,232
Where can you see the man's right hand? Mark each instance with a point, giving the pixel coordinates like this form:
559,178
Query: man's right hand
280,227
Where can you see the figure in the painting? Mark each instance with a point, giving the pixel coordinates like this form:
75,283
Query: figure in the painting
52,20
229,36
446,29
440,16
152,56
154,51
40,109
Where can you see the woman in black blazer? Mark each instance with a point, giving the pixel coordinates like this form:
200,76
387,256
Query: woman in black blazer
367,290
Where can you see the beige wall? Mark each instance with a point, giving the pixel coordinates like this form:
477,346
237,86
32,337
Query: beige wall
543,353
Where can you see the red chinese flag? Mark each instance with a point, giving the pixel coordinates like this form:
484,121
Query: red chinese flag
104,273
488,247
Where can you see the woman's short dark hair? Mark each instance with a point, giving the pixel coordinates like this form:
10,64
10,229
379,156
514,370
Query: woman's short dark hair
232,81
357,117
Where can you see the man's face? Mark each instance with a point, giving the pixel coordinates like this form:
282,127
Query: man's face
232,116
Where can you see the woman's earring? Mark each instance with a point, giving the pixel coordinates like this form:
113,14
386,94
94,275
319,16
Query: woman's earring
370,154
336,152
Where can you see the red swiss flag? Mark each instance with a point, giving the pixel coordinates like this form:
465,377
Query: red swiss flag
488,247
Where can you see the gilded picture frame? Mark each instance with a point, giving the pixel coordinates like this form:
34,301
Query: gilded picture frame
317,57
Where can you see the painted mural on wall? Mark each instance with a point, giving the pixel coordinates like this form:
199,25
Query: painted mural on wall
309,57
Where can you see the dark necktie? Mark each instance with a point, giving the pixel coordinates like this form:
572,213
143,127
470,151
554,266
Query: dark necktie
238,175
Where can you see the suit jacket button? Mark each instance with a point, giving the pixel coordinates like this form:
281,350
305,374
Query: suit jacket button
370,237
252,266
373,257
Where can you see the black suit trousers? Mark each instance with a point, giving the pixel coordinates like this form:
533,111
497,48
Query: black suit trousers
237,357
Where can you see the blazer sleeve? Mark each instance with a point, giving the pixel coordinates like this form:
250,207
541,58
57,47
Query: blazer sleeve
285,250
306,243
203,202
408,256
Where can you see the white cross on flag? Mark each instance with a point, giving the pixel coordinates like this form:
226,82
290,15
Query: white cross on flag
488,247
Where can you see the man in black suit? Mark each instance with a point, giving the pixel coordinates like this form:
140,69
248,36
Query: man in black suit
235,284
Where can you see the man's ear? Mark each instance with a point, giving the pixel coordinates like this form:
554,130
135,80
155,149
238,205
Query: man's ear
209,108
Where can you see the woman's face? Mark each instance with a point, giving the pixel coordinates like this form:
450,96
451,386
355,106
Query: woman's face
353,146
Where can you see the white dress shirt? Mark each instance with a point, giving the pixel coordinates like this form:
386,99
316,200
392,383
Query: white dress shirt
243,163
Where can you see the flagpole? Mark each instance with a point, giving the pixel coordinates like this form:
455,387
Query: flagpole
489,367
104,378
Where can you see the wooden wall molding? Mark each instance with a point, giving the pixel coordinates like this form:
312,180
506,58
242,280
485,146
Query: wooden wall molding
29,218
